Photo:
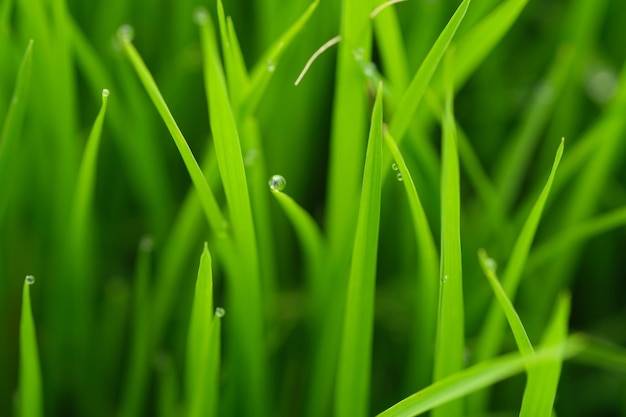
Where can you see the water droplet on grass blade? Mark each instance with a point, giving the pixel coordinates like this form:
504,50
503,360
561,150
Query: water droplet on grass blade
358,53
200,16
277,182
491,264
399,176
105,92
220,312
444,279
126,33
394,166
30,280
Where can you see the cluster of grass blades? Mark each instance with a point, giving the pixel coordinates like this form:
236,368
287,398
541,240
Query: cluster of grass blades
419,134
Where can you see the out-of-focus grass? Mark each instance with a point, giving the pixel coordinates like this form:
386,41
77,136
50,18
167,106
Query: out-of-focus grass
113,323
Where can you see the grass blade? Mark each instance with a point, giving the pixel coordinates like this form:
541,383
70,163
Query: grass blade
477,377
521,338
353,378
211,209
492,332
474,46
30,385
426,307
543,379
246,304
11,128
202,371
450,340
412,97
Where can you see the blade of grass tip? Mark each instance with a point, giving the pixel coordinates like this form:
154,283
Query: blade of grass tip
263,71
492,332
474,46
353,377
141,345
450,338
412,97
236,75
574,236
488,266
543,379
12,127
428,264
212,211
246,301
201,317
478,377
202,371
605,355
348,128
30,385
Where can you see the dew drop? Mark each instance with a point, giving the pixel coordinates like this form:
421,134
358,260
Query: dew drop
271,66
277,182
399,176
444,279
126,33
200,16
30,280
105,92
394,166
369,69
602,85
220,312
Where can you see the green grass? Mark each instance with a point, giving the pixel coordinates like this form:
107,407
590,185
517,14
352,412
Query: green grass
138,138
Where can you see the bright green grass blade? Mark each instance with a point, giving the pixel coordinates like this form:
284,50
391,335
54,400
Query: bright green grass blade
543,379
263,71
576,235
348,128
492,332
412,97
353,378
477,377
138,369
30,385
474,46
236,74
521,338
516,156
11,129
212,211
450,340
246,304
202,373
167,402
201,317
427,260
388,34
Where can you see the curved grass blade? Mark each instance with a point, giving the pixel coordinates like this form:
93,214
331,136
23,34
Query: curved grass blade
543,379
492,332
387,31
203,345
30,385
263,71
246,294
12,127
478,377
604,355
211,209
353,378
474,46
236,73
427,256
450,339
521,338
412,97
